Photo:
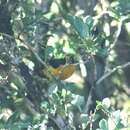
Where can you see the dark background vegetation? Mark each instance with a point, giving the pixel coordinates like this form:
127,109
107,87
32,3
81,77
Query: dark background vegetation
92,34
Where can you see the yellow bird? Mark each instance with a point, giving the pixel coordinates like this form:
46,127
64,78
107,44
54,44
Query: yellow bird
60,69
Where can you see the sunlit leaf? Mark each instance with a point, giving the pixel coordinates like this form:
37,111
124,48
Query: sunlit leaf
103,124
83,27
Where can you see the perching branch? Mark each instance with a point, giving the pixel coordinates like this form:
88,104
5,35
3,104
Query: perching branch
116,35
28,45
112,71
119,27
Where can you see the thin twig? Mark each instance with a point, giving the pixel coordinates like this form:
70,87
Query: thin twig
116,35
89,100
119,26
91,120
7,35
112,71
120,22
83,62
102,14
54,120
26,44
33,51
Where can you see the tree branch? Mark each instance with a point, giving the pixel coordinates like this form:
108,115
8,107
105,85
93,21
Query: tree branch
26,44
119,26
111,72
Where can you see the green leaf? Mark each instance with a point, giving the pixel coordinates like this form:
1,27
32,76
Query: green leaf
44,105
13,118
116,129
15,122
119,126
81,26
99,105
48,51
103,124
124,6
73,88
24,51
84,118
78,100
117,119
116,115
1,124
17,80
121,8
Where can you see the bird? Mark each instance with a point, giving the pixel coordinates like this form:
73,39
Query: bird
60,69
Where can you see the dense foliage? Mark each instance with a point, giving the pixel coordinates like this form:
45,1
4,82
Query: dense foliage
92,36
